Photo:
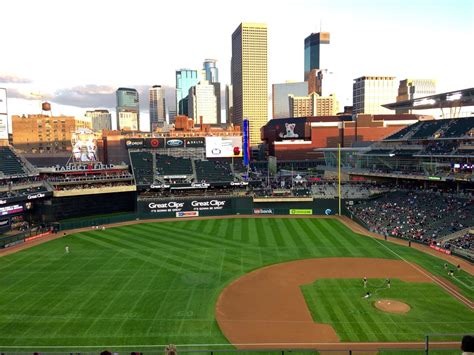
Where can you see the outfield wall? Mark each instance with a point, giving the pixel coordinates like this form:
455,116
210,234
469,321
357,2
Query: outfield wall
221,206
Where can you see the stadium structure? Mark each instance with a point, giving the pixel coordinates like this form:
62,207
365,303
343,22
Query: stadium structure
268,254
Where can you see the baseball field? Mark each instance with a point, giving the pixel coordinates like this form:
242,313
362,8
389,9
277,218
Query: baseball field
222,281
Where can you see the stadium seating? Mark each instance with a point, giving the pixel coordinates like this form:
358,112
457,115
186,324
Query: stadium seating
142,164
213,171
424,216
459,127
10,164
428,129
383,152
404,132
172,166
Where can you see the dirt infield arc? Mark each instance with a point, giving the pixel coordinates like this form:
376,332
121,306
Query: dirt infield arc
267,306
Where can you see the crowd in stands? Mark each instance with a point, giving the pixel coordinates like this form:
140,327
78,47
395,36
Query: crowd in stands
92,186
418,215
466,241
78,178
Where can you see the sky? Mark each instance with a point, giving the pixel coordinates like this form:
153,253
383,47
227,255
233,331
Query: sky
76,53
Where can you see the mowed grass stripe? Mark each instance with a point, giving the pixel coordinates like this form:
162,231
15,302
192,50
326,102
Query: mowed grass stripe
260,231
170,266
164,244
322,243
199,236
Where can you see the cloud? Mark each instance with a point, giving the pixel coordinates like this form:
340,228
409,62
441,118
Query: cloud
103,96
86,96
26,95
13,79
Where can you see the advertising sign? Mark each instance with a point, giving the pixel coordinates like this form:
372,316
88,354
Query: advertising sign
3,101
441,250
4,223
301,211
246,143
263,211
223,147
154,142
187,214
134,143
197,142
3,126
185,206
6,210
174,142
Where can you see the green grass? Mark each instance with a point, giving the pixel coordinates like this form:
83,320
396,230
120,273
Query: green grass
340,303
157,283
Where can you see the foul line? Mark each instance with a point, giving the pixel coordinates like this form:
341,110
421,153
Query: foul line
381,344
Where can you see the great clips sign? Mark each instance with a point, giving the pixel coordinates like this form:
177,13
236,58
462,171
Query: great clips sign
173,206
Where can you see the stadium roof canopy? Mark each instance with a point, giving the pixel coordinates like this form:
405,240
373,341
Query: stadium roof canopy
450,99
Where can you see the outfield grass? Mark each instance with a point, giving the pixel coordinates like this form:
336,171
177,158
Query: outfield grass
157,283
340,303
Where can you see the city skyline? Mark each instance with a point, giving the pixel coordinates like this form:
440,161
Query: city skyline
398,38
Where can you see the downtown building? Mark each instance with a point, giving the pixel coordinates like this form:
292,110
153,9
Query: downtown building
185,80
100,119
156,95
312,105
410,89
280,97
371,92
202,103
128,110
211,75
316,60
249,76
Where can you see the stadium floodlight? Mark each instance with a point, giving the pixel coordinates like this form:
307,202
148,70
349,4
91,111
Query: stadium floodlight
424,102
454,97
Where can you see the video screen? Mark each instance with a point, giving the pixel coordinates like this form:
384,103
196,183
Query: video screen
223,147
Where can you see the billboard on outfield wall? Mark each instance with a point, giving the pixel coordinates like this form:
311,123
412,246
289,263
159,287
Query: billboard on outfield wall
188,206
224,147
301,211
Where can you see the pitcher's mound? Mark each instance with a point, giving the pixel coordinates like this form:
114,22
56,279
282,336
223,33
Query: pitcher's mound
392,306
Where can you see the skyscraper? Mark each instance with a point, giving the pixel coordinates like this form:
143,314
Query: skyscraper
185,79
128,109
280,94
370,92
157,107
212,74
229,101
203,103
314,52
249,77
